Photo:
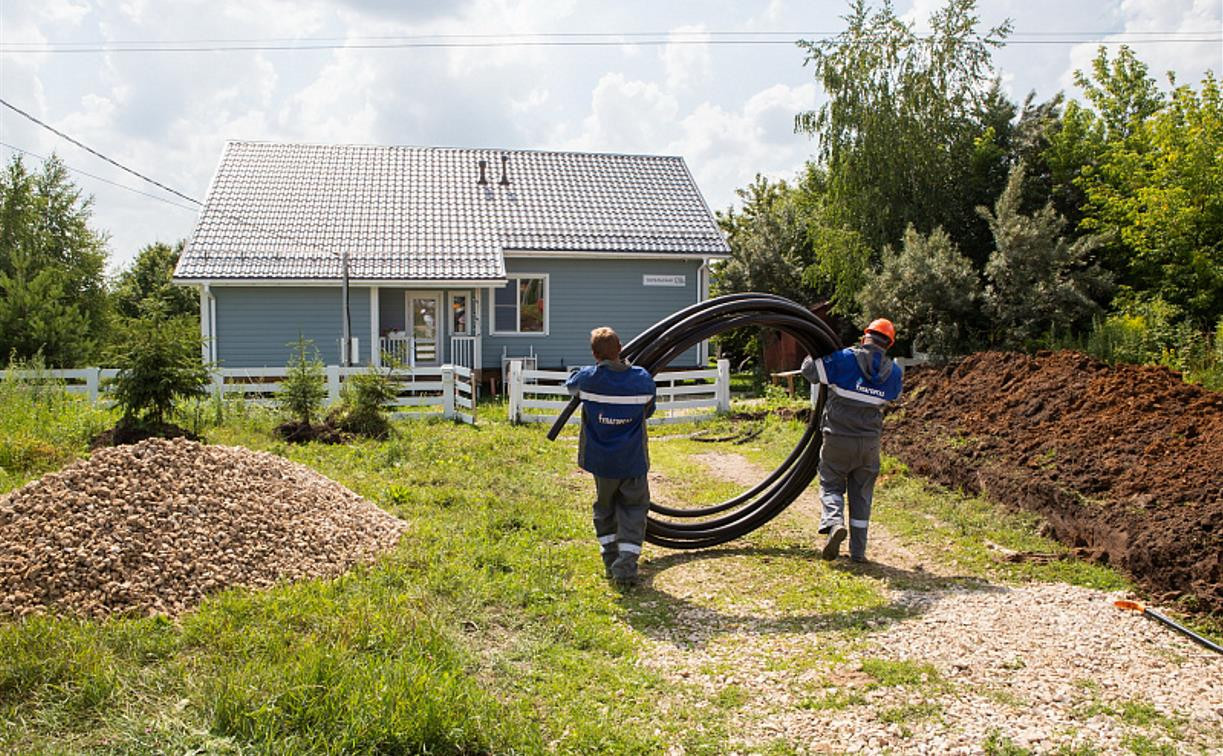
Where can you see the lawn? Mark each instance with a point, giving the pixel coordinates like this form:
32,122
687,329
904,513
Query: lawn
489,628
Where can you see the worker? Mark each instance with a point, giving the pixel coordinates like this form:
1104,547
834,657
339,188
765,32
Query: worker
861,381
616,400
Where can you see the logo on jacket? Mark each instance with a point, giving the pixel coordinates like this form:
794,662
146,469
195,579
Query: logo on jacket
868,390
605,420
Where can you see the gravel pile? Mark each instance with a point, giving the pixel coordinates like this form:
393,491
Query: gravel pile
154,527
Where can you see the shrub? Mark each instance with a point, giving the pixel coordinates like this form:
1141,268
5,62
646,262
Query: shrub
929,290
1152,332
304,387
159,363
364,407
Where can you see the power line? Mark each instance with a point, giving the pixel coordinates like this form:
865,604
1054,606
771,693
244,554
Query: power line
115,163
172,203
472,42
663,35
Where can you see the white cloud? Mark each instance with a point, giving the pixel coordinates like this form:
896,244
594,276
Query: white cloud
338,105
1188,60
626,116
534,99
686,58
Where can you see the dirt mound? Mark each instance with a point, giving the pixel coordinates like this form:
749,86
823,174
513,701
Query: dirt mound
1124,462
155,526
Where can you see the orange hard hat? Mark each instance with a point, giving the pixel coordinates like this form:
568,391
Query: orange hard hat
883,327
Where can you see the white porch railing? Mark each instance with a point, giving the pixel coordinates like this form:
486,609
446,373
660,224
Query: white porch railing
538,396
409,351
464,350
447,391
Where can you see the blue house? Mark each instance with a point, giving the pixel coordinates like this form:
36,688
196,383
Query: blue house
455,256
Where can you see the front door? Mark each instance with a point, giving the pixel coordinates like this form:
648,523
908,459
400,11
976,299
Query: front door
424,309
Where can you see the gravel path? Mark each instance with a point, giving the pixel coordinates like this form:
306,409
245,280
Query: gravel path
1039,666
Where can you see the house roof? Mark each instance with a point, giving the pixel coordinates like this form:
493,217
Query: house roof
285,211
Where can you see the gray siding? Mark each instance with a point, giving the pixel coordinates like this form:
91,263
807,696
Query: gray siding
256,324
586,293
391,315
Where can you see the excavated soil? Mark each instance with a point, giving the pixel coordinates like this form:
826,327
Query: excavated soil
1123,462
156,526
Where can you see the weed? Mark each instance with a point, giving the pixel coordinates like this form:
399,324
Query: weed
834,701
997,744
889,672
910,712
731,697
1142,745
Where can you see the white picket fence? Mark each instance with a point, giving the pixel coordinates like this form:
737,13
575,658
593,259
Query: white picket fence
684,396
447,391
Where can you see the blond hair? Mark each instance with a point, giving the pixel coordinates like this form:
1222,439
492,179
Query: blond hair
605,343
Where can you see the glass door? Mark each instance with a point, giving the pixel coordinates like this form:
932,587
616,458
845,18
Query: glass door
424,309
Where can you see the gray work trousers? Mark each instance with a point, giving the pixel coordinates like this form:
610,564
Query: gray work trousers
621,505
848,466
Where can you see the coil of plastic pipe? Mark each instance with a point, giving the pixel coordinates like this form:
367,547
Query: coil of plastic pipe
657,346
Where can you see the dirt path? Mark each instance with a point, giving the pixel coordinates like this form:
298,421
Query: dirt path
941,665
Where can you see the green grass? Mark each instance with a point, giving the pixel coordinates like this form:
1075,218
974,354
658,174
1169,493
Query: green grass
489,628
42,428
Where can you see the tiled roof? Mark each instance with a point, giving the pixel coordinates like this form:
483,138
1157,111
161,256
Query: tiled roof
286,211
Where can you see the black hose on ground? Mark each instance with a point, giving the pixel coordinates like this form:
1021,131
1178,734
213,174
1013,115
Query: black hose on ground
657,346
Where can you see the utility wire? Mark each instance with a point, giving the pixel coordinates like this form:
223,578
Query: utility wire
115,163
103,180
613,37
350,44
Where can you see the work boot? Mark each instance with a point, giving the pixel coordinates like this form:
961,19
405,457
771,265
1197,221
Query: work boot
609,558
859,558
832,547
624,570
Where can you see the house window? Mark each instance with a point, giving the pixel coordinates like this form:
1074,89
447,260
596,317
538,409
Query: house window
519,306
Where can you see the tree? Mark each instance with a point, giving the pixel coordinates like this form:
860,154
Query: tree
1155,195
900,135
1123,93
149,280
51,266
159,363
929,290
37,318
303,390
1038,281
768,243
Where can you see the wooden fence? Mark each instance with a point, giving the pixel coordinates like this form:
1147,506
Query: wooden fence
447,391
538,396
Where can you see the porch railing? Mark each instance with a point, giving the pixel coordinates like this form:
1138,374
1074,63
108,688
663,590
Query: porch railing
464,350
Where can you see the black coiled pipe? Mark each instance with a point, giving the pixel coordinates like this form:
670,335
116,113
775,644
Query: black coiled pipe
657,346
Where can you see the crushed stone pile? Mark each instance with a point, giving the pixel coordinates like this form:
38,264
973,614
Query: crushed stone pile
1122,461
156,526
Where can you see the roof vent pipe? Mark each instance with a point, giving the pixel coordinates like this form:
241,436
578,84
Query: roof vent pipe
505,179
483,181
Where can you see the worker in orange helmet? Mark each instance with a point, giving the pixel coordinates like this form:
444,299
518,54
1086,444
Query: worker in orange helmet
861,381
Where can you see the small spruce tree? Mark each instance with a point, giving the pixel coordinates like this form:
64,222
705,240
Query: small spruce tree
159,363
304,388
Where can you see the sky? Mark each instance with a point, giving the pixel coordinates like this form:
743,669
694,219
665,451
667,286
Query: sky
661,81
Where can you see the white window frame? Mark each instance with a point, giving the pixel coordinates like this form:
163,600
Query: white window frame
492,306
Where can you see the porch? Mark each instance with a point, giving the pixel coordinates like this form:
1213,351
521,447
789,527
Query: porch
425,328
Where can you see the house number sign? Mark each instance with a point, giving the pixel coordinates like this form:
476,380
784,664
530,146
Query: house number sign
648,280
